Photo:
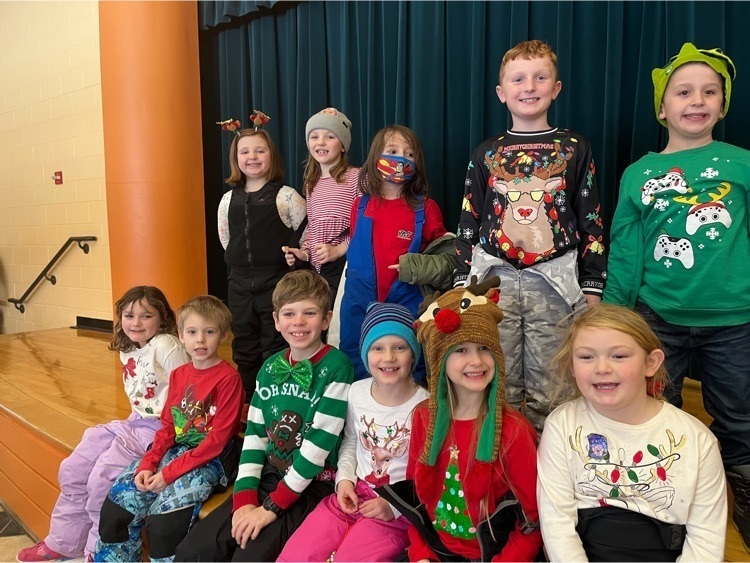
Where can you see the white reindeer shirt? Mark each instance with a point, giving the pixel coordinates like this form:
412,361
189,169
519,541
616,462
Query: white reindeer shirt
376,438
668,468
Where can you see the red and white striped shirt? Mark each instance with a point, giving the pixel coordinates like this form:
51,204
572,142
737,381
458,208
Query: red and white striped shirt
328,209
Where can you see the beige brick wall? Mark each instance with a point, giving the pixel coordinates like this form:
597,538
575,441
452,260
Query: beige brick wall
51,119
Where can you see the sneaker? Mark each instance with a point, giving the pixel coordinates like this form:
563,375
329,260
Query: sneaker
40,552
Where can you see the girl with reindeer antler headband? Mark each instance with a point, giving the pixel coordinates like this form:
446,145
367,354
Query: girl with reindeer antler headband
256,218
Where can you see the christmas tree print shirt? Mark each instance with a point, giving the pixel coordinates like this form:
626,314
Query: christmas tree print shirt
453,489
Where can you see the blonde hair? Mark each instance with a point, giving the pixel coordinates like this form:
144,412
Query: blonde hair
156,299
210,308
533,49
275,172
612,317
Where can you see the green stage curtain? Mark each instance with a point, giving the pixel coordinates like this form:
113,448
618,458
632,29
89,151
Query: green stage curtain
218,12
433,67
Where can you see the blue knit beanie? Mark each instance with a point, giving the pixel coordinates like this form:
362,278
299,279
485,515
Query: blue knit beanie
388,319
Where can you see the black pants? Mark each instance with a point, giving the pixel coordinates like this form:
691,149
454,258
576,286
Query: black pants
331,272
255,334
211,538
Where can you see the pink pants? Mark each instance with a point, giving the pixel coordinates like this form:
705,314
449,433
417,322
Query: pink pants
328,529
86,476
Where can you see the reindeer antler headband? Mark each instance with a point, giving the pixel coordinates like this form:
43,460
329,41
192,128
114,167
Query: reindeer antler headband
258,120
231,125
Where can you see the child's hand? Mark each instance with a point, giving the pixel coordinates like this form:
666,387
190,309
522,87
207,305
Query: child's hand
248,522
156,483
239,522
290,253
592,299
329,253
141,480
394,267
346,496
377,508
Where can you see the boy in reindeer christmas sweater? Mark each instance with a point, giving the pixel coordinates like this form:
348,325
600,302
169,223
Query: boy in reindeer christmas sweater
530,215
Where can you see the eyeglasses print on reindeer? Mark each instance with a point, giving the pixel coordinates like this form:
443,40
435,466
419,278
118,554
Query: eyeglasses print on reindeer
515,195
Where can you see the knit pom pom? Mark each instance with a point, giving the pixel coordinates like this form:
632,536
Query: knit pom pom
447,321
478,481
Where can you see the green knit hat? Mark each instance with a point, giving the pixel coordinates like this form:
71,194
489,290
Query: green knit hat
464,314
714,58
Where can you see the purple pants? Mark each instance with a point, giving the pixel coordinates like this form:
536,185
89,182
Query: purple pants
328,529
86,476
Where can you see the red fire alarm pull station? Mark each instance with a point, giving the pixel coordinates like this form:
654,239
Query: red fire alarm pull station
57,177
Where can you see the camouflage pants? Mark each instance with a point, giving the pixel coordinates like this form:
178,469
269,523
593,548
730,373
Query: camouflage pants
536,317
166,514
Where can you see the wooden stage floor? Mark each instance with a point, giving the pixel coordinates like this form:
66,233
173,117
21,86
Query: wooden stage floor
56,383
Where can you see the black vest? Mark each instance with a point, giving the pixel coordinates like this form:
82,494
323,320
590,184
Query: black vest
257,233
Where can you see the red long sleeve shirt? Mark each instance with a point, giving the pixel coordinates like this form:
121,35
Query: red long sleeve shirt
203,409
516,467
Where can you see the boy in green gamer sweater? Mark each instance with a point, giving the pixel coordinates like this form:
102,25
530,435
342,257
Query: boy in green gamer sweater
680,248
294,429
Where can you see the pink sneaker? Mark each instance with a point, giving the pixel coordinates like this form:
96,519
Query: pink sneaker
40,552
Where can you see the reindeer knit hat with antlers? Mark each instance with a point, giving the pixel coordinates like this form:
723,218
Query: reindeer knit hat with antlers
464,314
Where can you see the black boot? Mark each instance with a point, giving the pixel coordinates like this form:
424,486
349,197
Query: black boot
739,479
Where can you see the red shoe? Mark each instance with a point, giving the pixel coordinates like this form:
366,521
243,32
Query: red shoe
40,552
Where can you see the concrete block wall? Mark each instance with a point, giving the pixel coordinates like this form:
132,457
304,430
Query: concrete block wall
50,120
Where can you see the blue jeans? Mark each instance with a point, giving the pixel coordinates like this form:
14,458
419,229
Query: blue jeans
724,355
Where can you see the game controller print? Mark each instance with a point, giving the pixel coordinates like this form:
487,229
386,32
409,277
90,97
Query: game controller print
673,248
709,212
674,180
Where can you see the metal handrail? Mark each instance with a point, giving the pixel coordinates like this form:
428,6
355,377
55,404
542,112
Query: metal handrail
52,279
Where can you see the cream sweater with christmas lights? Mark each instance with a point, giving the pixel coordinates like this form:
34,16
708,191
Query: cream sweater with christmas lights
668,468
